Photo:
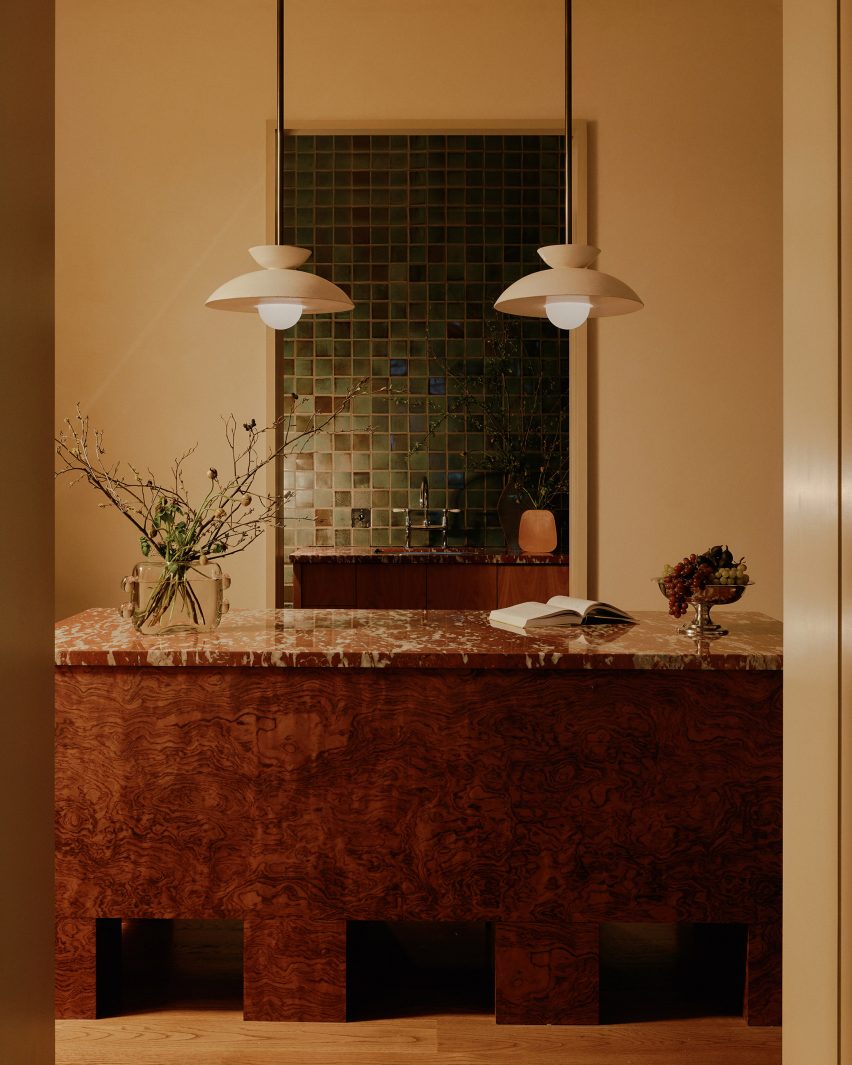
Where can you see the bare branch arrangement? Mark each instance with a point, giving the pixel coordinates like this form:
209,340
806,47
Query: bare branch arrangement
522,418
231,515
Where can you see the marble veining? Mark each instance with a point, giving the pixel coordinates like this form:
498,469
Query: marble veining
476,556
418,639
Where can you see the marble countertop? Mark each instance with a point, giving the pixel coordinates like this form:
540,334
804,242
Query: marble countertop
444,555
417,639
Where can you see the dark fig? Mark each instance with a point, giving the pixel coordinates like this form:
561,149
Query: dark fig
727,559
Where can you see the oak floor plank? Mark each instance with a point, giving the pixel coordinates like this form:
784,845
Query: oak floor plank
704,1041
204,1037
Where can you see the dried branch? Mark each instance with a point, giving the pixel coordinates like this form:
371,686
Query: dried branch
229,517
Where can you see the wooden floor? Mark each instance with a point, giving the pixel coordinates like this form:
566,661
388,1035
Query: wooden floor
422,996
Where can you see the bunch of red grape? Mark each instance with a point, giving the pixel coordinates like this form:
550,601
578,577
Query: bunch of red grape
691,575
696,572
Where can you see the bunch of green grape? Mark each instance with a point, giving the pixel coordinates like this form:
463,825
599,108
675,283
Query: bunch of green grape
696,572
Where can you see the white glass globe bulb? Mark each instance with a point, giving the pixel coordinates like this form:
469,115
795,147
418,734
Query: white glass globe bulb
566,313
279,315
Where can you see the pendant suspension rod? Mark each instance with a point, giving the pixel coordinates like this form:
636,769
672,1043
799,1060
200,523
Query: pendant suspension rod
568,126
279,118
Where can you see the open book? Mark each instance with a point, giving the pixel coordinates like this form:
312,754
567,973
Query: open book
558,610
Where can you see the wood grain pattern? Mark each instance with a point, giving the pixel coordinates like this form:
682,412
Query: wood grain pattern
88,954
546,973
415,585
76,987
461,587
389,587
763,974
519,796
533,583
323,584
155,795
294,969
199,1036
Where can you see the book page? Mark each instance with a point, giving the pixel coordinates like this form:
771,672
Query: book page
588,609
526,613
569,602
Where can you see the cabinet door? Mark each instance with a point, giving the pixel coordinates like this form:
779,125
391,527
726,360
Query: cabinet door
530,584
461,587
390,586
324,584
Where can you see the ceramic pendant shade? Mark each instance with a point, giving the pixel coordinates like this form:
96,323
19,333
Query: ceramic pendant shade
569,291
280,292
570,279
280,284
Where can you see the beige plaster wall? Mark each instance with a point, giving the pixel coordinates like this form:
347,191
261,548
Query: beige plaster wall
160,176
442,63
684,105
160,164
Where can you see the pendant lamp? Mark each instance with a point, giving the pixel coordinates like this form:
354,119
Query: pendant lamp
569,291
280,292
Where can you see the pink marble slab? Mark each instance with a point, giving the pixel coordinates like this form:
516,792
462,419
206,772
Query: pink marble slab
417,639
450,556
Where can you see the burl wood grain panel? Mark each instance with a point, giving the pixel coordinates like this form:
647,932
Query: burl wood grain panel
533,583
525,797
294,969
546,973
155,793
88,960
461,587
763,974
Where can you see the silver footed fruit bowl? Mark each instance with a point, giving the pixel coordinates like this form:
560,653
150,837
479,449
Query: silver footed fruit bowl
702,625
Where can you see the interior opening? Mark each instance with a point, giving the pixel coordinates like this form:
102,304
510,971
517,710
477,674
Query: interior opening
665,971
412,968
415,968
174,964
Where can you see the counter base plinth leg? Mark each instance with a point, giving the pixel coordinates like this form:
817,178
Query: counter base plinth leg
763,974
294,969
88,953
546,973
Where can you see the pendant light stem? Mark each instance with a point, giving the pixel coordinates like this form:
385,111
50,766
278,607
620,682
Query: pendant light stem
569,107
279,119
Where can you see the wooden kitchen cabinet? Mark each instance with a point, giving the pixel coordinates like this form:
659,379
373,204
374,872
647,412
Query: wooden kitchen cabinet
530,584
401,766
460,587
392,587
324,584
392,583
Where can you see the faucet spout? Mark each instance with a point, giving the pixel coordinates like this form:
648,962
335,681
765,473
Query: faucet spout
424,494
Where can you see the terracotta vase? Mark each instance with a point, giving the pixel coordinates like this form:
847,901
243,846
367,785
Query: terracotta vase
537,532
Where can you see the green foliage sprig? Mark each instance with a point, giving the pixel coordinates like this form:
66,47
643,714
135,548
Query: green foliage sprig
523,438
230,516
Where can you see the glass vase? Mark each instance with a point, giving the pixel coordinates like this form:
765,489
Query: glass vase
175,597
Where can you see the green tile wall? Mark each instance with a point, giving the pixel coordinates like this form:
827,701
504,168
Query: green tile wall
423,232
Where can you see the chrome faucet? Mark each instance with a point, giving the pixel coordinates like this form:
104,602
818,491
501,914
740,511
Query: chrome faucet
424,497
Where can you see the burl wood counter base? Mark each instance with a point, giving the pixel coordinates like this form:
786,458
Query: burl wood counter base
299,769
